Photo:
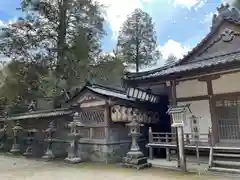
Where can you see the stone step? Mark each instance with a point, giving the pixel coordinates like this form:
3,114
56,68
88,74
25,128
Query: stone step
226,163
224,170
226,148
226,155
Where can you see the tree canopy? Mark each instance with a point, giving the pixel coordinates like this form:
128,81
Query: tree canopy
137,40
53,48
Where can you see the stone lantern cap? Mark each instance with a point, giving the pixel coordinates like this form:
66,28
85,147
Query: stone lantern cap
51,127
17,126
178,109
32,130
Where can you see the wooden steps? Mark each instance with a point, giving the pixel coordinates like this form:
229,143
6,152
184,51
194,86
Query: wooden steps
225,170
223,159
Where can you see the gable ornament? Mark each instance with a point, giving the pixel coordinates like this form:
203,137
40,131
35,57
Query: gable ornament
227,35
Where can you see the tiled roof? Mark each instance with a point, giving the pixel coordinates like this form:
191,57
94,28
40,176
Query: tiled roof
39,114
107,91
207,62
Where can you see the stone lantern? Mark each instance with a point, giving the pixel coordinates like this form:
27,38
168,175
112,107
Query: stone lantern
50,131
16,144
30,141
73,149
4,137
135,158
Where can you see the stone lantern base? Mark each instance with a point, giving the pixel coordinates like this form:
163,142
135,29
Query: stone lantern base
15,149
28,152
135,159
73,160
48,155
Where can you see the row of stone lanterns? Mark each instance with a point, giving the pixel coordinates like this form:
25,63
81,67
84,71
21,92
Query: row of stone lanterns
17,129
50,131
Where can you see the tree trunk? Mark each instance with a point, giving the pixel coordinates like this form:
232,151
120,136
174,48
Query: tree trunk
61,32
137,45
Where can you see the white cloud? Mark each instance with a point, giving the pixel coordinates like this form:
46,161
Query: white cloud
172,47
188,3
117,11
2,24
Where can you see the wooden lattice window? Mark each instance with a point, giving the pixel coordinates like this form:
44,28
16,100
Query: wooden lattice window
84,131
98,133
228,118
92,116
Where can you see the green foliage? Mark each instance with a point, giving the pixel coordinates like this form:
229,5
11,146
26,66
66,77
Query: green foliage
60,36
21,84
236,3
108,71
171,60
137,40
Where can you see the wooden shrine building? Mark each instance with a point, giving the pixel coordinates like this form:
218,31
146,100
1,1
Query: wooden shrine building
100,114
207,78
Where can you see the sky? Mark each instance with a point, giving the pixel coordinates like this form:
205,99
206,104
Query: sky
180,24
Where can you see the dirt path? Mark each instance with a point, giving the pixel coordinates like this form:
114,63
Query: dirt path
22,169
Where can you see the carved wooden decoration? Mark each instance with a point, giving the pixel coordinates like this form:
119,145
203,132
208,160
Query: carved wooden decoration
87,97
227,35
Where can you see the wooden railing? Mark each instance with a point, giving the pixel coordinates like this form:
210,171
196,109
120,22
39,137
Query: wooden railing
169,141
166,138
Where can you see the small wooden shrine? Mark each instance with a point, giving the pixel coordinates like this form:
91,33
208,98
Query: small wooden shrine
101,114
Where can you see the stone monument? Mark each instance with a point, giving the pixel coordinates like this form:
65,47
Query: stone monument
16,144
135,158
72,151
49,132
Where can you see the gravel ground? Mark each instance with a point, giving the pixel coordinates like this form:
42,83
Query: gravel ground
19,168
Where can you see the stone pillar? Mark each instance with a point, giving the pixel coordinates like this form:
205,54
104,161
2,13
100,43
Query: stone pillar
135,158
16,144
73,156
49,132
30,142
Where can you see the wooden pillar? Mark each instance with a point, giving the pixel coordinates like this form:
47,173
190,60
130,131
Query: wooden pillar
106,121
208,80
172,94
212,112
150,139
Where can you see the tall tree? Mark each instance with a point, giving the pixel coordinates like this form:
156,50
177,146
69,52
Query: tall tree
48,35
137,40
171,60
